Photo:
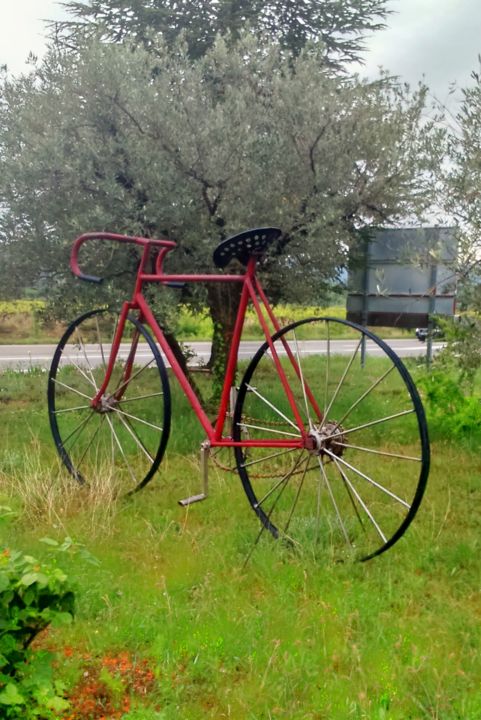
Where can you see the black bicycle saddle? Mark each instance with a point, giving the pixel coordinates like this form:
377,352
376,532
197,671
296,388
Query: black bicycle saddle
244,245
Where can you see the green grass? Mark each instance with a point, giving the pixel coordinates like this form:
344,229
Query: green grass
287,636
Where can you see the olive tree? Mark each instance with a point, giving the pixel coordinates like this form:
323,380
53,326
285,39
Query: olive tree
462,196
116,137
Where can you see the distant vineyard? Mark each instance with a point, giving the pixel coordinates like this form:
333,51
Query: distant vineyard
199,325
20,307
22,321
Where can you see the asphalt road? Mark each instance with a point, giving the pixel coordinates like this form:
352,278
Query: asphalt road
24,356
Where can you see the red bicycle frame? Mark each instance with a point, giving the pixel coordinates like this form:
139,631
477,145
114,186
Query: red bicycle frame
251,291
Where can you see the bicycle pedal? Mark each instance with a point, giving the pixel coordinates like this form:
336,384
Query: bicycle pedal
192,499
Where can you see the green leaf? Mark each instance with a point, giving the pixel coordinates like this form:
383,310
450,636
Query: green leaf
4,582
33,577
29,597
49,541
11,696
57,704
61,618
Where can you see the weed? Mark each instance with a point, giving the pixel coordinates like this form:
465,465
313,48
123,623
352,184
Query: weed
48,495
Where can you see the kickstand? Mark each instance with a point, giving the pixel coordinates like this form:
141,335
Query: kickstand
204,461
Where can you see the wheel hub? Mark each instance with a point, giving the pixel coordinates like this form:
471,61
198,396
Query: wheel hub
327,436
106,404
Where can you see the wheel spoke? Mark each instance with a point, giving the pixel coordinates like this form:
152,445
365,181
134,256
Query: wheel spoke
270,430
119,388
350,496
139,397
353,490
94,435
328,362
369,479
341,381
77,367
112,448
137,419
364,395
303,385
285,477
86,358
80,427
378,452
69,387
266,520
370,424
104,362
125,422
131,473
276,410
301,483
318,505
268,457
333,500
72,409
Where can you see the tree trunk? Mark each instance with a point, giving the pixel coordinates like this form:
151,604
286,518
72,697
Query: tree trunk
223,299
180,357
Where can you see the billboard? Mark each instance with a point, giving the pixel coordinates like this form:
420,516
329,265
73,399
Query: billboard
400,277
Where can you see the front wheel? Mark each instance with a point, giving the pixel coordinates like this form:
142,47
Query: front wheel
122,439
358,478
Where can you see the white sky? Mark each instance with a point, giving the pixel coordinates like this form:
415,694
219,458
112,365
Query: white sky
435,40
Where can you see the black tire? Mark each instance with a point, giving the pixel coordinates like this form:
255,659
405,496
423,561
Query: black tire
115,443
342,493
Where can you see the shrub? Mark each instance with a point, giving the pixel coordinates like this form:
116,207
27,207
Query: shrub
451,413
32,595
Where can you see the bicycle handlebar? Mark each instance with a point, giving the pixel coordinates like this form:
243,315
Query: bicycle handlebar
144,242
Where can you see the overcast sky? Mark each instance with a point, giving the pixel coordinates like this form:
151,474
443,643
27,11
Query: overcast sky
435,40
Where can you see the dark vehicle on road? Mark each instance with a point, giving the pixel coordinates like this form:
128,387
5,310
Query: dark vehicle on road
422,333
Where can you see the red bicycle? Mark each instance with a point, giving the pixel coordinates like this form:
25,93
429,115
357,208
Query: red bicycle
332,451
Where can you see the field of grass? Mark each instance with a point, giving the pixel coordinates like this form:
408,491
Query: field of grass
171,624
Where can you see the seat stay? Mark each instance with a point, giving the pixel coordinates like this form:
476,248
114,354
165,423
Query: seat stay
289,352
275,356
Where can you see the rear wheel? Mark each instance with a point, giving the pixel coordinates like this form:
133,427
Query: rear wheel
123,439
356,483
